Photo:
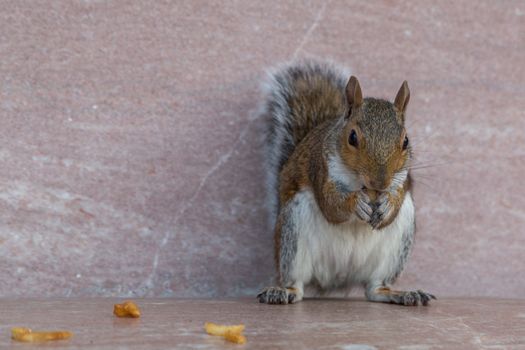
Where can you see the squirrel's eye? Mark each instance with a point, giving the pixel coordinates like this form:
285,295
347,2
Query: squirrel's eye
405,143
352,139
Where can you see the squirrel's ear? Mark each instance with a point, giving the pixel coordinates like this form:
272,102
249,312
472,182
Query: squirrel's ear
402,98
353,93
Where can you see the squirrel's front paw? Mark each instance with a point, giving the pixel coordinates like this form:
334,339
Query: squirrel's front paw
382,212
363,207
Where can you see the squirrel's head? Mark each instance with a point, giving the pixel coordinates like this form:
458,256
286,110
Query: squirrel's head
374,143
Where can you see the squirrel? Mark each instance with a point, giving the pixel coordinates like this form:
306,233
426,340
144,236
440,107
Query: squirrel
339,181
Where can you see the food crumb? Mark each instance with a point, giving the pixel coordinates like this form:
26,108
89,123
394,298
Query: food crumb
126,309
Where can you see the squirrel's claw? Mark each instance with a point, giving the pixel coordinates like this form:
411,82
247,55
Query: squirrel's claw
363,209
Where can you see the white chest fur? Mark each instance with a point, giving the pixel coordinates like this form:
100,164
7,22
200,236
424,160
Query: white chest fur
332,256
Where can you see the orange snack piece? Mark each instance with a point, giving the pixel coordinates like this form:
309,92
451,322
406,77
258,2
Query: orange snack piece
234,337
27,335
126,309
230,333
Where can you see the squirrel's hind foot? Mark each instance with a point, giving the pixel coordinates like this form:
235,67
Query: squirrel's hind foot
278,295
407,298
414,298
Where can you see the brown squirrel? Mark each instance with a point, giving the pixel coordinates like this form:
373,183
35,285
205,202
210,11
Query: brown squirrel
338,167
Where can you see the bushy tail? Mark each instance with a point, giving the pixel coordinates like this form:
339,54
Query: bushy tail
299,97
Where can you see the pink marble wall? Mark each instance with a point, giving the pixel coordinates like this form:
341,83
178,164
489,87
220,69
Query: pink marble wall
131,151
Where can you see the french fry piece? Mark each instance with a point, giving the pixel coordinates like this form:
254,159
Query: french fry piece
230,333
217,329
234,337
126,309
27,335
17,332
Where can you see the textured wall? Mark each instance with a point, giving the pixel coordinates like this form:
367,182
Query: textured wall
131,153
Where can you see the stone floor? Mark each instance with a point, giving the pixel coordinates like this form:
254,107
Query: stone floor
315,324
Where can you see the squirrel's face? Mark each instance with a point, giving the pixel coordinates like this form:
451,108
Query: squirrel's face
374,142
